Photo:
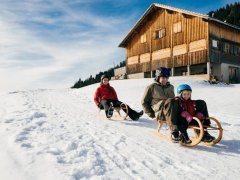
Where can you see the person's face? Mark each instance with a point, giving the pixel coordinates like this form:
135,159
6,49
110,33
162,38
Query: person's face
186,95
163,80
105,81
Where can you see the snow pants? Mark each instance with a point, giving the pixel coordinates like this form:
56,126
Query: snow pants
169,112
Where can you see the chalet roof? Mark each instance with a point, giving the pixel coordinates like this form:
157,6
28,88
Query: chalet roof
156,5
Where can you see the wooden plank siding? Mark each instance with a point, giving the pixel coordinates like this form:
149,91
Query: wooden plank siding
187,47
161,20
166,62
224,35
138,68
198,57
223,32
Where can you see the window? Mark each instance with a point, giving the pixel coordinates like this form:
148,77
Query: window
237,50
226,48
143,38
160,33
177,27
214,43
231,49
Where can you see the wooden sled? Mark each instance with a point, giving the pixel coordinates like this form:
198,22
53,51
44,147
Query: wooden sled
215,129
192,132
117,112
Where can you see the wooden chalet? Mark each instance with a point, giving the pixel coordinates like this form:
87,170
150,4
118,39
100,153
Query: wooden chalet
188,43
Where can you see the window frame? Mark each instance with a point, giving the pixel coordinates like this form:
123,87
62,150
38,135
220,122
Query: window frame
237,50
160,33
177,27
143,38
227,48
215,42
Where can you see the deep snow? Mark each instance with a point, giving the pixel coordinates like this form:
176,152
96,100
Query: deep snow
58,134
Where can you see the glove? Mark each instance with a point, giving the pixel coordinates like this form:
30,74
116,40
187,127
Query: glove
152,116
187,116
176,98
200,116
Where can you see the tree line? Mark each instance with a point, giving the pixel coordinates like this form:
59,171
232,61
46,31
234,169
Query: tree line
95,79
230,14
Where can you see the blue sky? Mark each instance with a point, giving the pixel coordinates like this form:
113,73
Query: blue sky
53,43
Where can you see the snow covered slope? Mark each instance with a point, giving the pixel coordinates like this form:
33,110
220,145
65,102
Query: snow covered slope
58,134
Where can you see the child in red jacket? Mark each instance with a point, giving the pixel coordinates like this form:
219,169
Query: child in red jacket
105,96
188,109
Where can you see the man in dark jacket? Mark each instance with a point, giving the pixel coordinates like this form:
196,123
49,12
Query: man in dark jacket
158,101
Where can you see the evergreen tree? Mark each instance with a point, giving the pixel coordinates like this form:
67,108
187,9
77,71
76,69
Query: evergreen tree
91,80
229,14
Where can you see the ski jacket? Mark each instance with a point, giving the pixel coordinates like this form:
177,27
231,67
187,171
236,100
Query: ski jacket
154,97
104,92
187,105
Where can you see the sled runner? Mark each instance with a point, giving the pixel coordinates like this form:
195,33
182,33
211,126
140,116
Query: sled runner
215,129
195,132
123,109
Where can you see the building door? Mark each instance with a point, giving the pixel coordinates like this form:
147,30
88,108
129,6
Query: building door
233,75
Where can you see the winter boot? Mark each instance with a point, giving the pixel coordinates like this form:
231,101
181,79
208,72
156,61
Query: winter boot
138,116
184,138
175,136
110,111
140,113
207,137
